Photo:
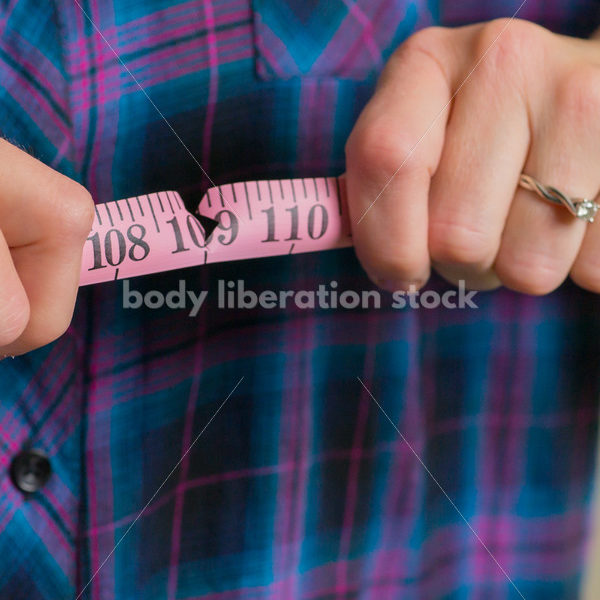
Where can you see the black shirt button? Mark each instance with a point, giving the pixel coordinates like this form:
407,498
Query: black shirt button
30,470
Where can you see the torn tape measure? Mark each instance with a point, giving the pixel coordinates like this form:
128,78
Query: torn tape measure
251,219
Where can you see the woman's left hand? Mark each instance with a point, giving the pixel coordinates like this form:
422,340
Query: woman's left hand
434,160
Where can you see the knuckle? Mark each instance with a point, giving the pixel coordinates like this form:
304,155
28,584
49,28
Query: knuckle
377,151
428,44
426,40
507,43
454,242
578,96
74,209
531,272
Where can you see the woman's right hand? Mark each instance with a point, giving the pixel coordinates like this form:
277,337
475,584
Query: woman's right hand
45,219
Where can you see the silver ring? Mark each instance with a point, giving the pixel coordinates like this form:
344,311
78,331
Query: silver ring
582,208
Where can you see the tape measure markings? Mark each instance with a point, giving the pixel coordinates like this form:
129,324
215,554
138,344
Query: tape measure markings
150,239
129,207
119,209
169,201
293,192
108,215
258,192
152,211
247,200
178,200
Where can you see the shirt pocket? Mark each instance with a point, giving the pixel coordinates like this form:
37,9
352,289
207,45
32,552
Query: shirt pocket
348,39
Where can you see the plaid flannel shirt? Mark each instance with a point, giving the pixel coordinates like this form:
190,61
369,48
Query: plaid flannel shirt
299,488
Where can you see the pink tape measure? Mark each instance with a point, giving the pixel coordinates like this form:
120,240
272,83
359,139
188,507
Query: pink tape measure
251,219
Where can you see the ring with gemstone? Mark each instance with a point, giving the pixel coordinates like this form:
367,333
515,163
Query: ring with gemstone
582,208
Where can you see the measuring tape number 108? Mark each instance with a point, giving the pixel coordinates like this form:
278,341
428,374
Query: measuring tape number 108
250,219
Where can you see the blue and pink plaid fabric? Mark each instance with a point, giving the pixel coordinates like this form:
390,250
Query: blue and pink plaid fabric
300,488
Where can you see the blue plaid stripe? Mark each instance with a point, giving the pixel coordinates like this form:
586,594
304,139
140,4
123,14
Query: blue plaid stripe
342,39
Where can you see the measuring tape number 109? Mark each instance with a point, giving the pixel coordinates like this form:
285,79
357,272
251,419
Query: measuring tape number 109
251,219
